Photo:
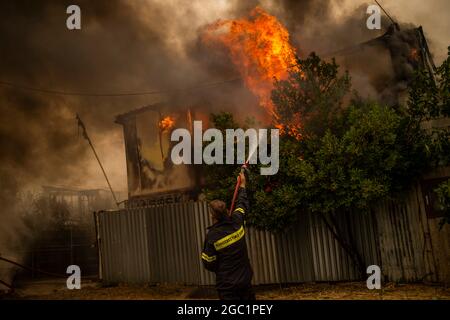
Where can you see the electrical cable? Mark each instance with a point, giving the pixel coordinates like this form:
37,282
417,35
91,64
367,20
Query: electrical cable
122,94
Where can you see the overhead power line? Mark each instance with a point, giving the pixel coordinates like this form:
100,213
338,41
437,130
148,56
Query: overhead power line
120,94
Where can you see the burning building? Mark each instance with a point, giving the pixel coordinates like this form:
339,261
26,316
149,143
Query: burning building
382,67
260,51
164,212
152,177
80,202
158,236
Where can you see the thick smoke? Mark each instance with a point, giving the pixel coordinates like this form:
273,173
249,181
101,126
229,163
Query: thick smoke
380,70
123,46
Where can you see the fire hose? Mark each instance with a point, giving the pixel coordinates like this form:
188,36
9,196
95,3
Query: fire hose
238,182
236,188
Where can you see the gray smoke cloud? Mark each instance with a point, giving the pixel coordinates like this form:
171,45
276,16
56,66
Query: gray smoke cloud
127,46
123,46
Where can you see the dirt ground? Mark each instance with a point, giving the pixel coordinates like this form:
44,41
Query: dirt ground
56,289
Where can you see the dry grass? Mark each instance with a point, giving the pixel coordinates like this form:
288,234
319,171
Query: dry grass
357,291
56,289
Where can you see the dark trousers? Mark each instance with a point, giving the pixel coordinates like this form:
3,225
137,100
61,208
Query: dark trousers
237,294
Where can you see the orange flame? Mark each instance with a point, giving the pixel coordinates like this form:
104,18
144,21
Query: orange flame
166,124
294,130
259,47
414,54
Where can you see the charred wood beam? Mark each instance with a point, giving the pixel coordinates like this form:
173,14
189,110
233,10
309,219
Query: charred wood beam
33,269
9,286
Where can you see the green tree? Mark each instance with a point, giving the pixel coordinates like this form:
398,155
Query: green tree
349,155
220,178
312,96
429,99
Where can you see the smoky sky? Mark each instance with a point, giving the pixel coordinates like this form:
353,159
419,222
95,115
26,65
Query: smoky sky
116,51
123,46
134,46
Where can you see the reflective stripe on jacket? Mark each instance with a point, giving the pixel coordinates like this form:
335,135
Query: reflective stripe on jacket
225,249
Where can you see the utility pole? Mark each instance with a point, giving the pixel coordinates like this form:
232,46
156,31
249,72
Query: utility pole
85,135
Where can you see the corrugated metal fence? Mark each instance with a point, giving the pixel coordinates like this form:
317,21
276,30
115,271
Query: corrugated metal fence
412,246
164,243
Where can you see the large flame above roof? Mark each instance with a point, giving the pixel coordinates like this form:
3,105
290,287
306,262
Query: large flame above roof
259,47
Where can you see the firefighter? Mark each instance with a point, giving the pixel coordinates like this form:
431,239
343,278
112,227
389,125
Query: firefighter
225,250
